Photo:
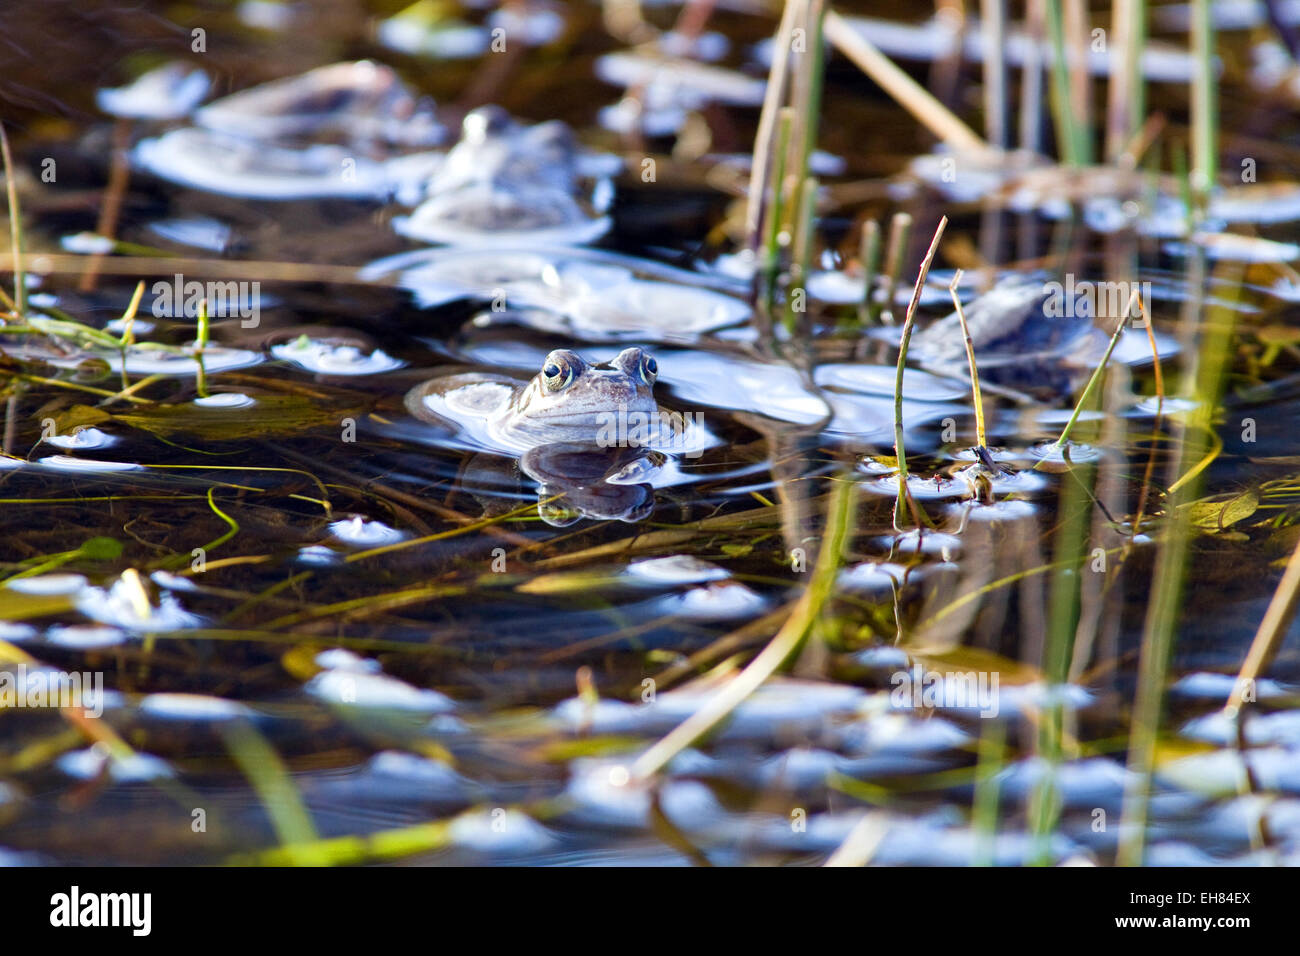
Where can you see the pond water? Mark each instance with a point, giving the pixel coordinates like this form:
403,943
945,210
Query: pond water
341,562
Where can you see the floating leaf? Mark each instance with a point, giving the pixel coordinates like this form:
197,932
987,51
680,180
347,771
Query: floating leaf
102,549
79,416
565,582
1275,338
1214,516
19,606
963,659
300,661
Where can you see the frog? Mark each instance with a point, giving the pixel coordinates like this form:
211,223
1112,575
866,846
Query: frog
348,130
562,425
498,151
569,401
507,179
350,103
1024,335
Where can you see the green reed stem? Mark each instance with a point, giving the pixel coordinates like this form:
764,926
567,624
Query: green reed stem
1203,387
900,232
1093,381
272,783
811,107
1205,118
1074,520
776,207
201,344
1071,136
869,255
981,437
984,809
767,150
797,297
807,610
900,452
15,227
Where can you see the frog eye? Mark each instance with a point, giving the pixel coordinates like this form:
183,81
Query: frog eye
638,364
560,369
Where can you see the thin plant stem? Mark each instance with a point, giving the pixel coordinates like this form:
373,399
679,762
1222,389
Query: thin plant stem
984,808
1204,107
200,345
1160,414
900,231
981,436
994,15
803,251
869,256
776,210
810,104
15,228
1269,636
900,452
766,147
1077,44
1203,386
909,94
1031,80
1093,382
1126,95
1071,138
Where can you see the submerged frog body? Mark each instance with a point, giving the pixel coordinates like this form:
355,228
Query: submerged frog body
504,179
1024,336
352,102
344,130
569,401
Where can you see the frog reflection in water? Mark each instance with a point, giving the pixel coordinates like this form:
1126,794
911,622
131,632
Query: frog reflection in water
576,426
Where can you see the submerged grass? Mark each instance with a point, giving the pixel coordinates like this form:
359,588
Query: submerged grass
1203,387
1268,638
270,778
783,646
